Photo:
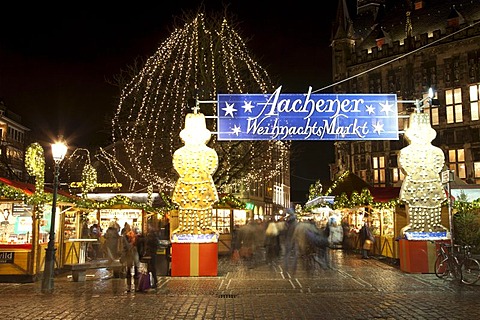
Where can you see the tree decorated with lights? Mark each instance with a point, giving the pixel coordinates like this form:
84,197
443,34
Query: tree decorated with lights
196,62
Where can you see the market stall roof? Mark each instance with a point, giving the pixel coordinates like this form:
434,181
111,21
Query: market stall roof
26,188
29,189
348,184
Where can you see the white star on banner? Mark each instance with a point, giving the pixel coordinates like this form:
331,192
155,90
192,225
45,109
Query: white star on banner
236,130
248,106
229,109
386,107
377,127
370,109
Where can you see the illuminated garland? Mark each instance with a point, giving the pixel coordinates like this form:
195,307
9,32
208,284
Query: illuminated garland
337,182
35,165
363,199
150,195
315,190
12,193
356,200
231,201
118,200
89,179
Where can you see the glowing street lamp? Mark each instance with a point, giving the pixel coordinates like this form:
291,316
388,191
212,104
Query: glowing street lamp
419,103
59,149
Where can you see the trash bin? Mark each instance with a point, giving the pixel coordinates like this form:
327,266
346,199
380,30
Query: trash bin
163,258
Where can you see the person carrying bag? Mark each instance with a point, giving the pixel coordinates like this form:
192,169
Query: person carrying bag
366,240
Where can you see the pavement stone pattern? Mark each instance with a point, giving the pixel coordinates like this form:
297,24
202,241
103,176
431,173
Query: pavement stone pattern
352,288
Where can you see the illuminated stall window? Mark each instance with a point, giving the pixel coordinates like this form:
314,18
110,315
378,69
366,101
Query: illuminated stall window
15,223
71,225
453,101
45,222
456,159
221,220
121,216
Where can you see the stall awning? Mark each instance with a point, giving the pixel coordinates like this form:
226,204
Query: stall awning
26,188
29,189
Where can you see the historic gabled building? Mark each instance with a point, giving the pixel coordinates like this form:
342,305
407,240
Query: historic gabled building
12,145
405,47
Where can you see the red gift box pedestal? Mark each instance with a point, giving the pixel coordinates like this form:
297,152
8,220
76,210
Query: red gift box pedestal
418,256
194,259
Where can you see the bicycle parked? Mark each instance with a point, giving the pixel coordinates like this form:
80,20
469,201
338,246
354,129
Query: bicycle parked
457,262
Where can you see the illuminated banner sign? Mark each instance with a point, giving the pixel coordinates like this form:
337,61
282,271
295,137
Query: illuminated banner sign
308,116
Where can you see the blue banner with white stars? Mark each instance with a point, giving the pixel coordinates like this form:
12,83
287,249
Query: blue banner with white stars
307,116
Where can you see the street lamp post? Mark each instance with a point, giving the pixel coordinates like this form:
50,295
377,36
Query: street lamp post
59,149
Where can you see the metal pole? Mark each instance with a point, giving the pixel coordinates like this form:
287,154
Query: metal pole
450,218
48,272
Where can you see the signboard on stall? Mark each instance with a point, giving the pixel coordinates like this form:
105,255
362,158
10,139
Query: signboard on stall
7,257
309,116
22,210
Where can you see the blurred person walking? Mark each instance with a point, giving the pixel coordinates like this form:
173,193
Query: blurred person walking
290,253
272,243
130,259
366,238
96,233
112,242
246,242
151,247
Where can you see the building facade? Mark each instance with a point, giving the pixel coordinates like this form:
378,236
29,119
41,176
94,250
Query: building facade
12,145
406,47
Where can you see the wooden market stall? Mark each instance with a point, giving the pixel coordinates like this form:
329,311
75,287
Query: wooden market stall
25,231
387,216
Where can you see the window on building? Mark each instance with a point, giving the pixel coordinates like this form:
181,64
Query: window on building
432,110
473,66
362,174
476,168
379,171
397,175
456,160
474,102
453,101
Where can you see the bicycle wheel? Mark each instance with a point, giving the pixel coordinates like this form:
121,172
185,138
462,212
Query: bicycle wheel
470,271
441,266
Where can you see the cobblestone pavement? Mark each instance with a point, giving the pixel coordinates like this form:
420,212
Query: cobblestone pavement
352,288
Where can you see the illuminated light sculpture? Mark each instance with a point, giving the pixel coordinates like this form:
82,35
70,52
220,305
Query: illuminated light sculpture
422,189
195,192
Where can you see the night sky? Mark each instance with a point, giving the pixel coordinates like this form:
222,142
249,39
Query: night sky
57,64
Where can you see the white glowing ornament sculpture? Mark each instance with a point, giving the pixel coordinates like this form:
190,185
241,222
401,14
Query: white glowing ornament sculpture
195,192
422,189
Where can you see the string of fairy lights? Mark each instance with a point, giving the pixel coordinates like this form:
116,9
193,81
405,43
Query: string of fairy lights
197,61
35,165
